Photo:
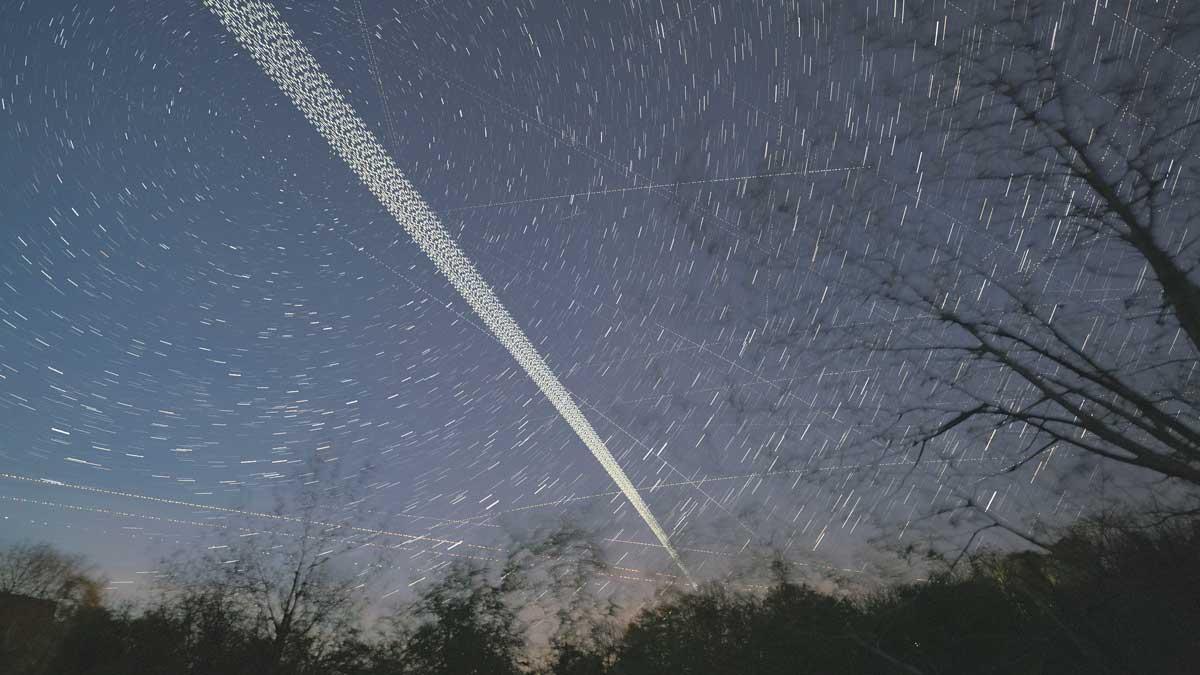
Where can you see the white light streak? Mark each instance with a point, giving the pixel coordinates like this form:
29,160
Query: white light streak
262,31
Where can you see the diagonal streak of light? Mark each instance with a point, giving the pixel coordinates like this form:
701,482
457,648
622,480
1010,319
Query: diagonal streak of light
260,29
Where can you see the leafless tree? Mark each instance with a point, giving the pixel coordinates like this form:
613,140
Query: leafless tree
1049,263
1008,273
42,571
291,575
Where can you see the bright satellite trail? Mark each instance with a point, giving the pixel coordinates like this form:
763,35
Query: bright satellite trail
260,29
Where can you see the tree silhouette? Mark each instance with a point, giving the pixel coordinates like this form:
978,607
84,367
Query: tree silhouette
43,572
464,626
284,580
1115,594
1051,275
39,587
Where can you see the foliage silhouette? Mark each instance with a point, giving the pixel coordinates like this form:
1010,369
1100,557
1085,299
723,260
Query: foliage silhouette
1110,596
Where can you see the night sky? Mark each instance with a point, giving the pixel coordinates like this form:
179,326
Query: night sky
197,296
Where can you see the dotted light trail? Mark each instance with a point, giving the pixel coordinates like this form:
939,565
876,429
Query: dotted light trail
619,572
262,31
410,538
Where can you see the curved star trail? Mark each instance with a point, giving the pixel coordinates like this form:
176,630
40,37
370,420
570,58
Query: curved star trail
694,211
262,31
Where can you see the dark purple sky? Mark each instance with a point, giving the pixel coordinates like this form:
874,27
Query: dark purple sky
196,296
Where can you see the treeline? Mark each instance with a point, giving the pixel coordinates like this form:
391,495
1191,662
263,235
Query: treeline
1105,598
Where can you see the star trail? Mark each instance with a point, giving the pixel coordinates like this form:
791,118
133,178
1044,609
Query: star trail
732,245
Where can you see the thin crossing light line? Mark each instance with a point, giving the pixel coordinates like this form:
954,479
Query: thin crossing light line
585,194
410,538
